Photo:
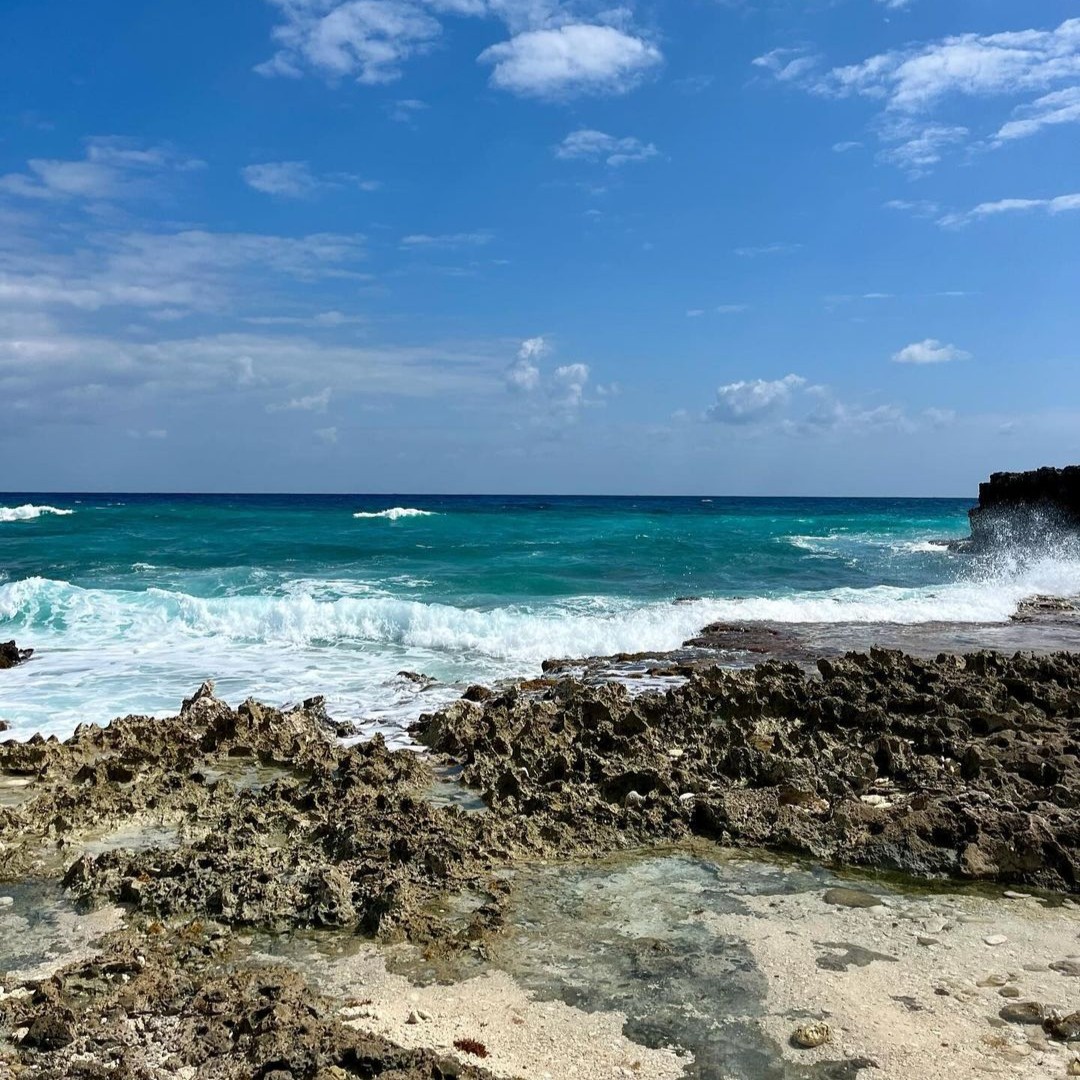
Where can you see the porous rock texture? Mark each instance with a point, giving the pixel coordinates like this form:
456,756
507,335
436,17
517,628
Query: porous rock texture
962,766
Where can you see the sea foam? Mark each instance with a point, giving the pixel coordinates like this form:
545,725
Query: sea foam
28,512
395,513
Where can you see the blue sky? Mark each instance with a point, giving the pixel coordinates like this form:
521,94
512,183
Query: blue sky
727,246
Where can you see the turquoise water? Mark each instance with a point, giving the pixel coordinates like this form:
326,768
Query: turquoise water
132,600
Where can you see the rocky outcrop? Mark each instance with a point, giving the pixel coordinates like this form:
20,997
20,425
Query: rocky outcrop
1025,506
11,654
962,766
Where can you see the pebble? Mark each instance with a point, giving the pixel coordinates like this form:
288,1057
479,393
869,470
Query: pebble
993,980
922,939
1010,991
6,901
995,939
1023,1012
853,898
1067,967
809,1036
1073,1068
1009,894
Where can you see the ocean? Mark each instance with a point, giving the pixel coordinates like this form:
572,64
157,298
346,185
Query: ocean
131,601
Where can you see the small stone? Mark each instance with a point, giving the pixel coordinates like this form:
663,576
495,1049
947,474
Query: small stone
1009,991
1023,1012
633,798
6,901
853,898
1073,1068
1066,967
413,1018
809,1036
922,939
995,939
1064,1028
993,980
1009,894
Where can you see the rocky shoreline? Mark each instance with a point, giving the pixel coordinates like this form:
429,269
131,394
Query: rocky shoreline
202,829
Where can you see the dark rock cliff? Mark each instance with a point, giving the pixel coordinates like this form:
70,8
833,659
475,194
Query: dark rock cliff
1026,506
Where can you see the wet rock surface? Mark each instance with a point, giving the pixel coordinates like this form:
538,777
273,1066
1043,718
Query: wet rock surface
11,654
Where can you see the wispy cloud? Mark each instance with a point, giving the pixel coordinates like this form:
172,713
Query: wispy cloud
752,252
1051,110
295,180
112,168
194,270
913,82
1060,204
319,402
447,240
592,145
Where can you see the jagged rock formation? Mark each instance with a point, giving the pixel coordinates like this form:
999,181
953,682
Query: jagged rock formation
1026,506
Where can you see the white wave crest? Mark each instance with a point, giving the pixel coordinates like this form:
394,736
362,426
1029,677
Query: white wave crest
395,513
28,512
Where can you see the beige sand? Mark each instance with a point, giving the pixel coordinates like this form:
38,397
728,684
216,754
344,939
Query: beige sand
923,1017
524,1037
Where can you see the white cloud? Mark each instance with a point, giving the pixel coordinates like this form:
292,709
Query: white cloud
112,168
295,180
572,59
796,407
914,79
290,178
523,375
1062,204
919,146
1060,107
319,402
447,240
559,396
552,52
930,351
750,401
570,381
597,146
328,435
922,208
191,270
787,65
367,40
912,82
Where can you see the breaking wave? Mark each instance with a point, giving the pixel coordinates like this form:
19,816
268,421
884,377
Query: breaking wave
28,512
395,513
